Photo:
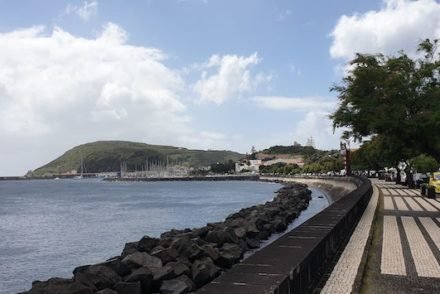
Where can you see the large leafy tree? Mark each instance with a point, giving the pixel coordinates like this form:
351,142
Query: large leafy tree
395,101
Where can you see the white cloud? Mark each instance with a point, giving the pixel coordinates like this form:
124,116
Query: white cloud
84,11
300,104
63,90
284,14
318,125
205,140
227,77
399,24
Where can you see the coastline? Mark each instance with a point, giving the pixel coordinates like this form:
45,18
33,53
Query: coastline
202,253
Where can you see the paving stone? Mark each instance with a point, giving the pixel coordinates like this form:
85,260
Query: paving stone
424,260
392,262
344,274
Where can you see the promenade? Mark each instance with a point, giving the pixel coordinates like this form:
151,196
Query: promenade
395,248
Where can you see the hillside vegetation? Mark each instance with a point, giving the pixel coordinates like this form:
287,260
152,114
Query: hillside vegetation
106,156
294,150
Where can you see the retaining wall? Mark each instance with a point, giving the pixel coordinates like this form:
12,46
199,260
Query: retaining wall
295,262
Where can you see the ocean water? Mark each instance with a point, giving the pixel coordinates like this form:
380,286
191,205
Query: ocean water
49,227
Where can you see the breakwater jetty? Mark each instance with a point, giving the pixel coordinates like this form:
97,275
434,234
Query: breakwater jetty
184,260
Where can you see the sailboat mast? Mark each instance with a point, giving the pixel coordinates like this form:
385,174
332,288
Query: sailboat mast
82,165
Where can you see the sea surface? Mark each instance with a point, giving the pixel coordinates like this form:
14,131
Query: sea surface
49,227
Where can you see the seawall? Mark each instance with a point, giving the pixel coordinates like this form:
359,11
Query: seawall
295,262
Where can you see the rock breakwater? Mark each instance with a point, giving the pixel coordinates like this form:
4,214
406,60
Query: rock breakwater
181,261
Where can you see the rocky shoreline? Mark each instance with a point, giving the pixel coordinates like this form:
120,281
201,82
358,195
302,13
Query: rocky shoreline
181,261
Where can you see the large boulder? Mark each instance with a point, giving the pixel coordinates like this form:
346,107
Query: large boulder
211,251
219,237
129,248
142,275
240,232
229,255
187,281
189,249
251,230
128,288
165,254
116,265
141,259
164,273
59,286
179,268
160,274
98,276
200,232
252,243
203,271
147,243
174,286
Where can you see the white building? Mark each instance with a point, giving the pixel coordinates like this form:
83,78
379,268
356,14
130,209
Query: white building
248,165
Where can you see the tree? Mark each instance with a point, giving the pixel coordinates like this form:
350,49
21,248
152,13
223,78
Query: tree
372,155
424,163
394,99
223,168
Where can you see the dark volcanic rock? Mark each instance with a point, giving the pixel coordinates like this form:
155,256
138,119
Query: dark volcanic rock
200,232
107,291
98,276
240,232
229,255
187,281
59,286
129,248
211,251
174,286
141,259
163,273
147,243
204,270
179,268
128,288
142,275
251,230
252,243
165,254
189,249
116,265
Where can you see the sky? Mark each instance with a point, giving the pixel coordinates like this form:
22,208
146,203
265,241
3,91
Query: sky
203,74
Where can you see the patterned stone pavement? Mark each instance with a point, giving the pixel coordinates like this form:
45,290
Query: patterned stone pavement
404,255
344,274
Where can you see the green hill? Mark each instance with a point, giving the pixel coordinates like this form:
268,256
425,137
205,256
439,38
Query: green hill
294,150
106,156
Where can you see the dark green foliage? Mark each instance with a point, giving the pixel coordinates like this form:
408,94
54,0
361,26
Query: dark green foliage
329,163
104,156
295,149
373,155
424,163
396,99
224,167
